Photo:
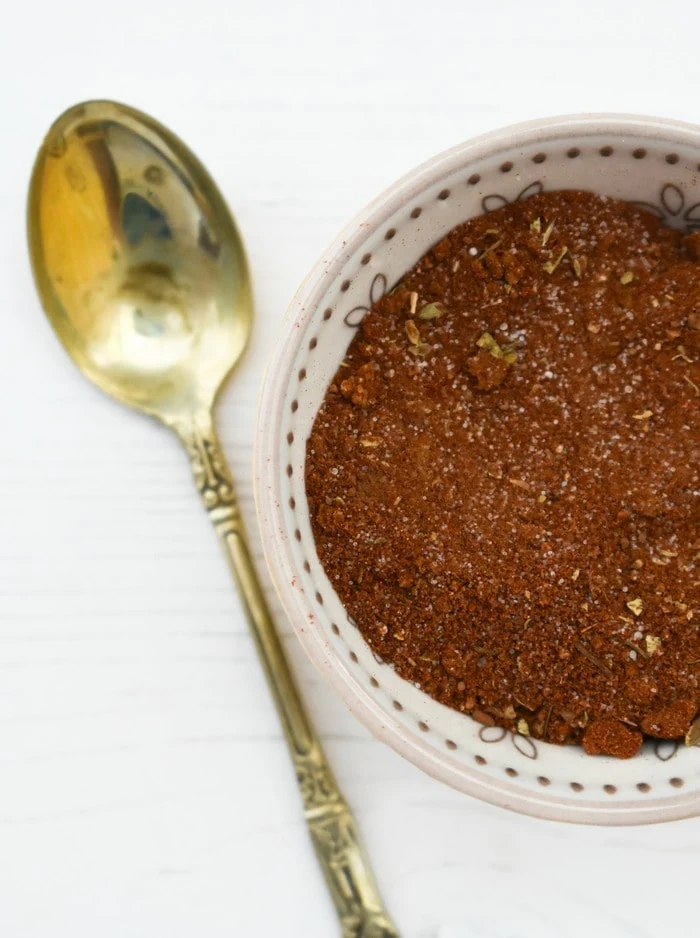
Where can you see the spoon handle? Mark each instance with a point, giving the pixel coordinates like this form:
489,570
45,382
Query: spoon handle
332,827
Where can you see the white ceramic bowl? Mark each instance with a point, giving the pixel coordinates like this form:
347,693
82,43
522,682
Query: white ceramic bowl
656,162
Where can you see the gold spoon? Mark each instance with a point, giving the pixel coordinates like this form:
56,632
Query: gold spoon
143,276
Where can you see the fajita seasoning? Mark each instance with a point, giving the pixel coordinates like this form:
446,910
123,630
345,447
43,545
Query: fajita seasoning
503,476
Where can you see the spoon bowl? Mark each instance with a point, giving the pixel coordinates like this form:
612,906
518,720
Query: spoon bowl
138,262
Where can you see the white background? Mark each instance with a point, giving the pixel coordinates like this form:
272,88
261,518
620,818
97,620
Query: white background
144,785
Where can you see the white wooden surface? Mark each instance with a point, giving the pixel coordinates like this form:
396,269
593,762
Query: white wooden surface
144,786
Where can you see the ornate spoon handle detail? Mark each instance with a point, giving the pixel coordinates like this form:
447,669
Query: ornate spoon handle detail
331,825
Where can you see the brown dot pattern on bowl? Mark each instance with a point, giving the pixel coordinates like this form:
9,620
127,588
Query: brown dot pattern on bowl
671,204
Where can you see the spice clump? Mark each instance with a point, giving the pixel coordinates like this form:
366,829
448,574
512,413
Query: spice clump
503,475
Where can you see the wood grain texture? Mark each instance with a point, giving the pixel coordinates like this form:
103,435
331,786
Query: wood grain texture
144,785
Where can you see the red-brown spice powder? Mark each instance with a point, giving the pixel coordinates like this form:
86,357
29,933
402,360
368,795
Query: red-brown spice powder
503,475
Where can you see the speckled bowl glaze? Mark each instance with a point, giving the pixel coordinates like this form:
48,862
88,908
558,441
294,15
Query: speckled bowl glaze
645,160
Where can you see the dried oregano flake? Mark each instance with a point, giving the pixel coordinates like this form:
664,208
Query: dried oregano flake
507,353
432,311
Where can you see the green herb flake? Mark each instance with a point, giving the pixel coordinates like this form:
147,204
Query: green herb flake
432,311
551,266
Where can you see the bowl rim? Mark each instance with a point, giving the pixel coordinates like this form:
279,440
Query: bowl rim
276,541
